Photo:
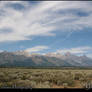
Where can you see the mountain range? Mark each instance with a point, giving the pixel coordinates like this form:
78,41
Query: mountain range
25,59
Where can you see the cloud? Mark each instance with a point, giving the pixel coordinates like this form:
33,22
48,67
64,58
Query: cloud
89,55
77,50
1,51
36,49
42,18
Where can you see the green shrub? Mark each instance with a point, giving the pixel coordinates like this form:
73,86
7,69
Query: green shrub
43,85
23,83
78,76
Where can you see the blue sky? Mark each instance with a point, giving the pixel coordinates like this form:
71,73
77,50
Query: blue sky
46,26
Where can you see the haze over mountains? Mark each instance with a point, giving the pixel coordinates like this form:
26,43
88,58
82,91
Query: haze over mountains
25,59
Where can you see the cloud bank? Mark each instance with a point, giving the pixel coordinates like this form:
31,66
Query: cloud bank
36,49
77,50
42,18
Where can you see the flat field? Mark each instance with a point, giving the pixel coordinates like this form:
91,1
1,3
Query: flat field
45,78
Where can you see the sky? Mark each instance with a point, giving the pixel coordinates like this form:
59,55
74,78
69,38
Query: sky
46,26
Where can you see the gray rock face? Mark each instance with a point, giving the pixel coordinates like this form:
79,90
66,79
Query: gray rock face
23,58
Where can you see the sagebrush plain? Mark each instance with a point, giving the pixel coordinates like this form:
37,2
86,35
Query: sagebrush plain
44,78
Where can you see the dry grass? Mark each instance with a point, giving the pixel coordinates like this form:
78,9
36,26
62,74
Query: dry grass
44,78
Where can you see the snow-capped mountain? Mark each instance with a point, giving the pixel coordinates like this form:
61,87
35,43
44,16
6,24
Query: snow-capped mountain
23,58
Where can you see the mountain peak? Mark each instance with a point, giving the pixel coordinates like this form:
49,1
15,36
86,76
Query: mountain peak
22,52
68,54
54,59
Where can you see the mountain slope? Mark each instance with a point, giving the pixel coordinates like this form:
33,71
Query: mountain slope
21,59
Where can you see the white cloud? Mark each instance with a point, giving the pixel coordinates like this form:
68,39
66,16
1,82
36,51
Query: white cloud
78,50
1,51
42,19
89,55
36,49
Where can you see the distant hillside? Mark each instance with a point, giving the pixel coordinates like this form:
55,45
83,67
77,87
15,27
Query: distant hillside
25,59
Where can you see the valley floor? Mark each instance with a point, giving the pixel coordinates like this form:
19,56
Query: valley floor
45,78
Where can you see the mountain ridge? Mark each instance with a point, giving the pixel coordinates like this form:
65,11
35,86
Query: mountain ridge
25,59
